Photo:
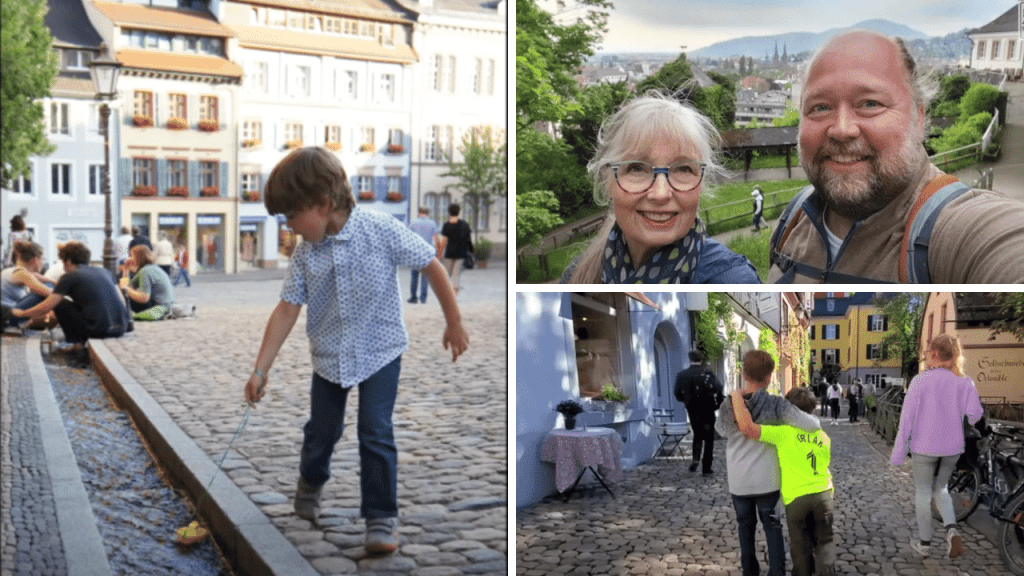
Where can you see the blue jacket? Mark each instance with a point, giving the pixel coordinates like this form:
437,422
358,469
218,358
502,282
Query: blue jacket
718,265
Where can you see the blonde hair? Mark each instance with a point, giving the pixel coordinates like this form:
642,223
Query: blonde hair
627,135
949,352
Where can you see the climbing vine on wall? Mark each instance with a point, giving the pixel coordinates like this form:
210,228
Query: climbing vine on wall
708,339
797,347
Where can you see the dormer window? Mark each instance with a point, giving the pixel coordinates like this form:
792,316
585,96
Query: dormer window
75,59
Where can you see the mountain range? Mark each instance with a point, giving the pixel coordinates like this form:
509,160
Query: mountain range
796,42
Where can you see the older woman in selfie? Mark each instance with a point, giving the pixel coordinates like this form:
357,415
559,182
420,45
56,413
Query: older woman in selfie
653,234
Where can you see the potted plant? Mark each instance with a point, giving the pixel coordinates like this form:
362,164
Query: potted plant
142,120
144,191
368,147
251,142
333,146
293,144
208,125
482,250
366,195
177,124
569,409
210,191
612,394
394,196
178,191
251,196
395,148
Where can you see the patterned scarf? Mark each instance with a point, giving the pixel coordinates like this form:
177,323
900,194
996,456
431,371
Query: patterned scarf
671,264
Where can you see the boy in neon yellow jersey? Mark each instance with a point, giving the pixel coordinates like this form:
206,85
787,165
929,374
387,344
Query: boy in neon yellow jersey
806,483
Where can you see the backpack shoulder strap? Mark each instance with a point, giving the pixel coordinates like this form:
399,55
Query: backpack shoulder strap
790,216
921,220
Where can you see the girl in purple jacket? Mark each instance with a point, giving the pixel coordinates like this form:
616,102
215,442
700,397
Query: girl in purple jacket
931,430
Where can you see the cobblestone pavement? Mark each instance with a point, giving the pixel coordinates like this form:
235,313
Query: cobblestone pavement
665,520
29,533
450,423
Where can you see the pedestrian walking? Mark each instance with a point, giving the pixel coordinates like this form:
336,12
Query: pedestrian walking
699,389
758,206
753,467
181,259
163,253
835,393
853,398
822,393
806,483
458,243
355,326
425,228
941,401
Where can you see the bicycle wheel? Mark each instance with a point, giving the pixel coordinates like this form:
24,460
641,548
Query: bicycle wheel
965,491
1011,536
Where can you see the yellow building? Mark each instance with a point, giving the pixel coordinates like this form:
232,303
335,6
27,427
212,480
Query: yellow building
996,364
847,329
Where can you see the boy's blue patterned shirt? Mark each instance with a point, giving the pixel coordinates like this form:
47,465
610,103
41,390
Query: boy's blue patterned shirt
349,283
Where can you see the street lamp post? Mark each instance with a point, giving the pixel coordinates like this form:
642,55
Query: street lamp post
105,71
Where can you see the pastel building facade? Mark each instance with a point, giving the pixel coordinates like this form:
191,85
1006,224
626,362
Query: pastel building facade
847,329
999,45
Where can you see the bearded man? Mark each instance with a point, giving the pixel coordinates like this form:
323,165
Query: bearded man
862,127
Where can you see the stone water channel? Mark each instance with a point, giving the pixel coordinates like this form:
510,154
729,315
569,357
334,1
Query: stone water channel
137,512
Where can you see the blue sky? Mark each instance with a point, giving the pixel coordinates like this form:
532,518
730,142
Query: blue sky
665,25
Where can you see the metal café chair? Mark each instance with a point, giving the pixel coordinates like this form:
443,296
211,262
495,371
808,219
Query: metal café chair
669,433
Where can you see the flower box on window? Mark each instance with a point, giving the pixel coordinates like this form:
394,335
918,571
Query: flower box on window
177,124
293,144
178,191
209,125
395,148
366,196
142,120
333,146
210,191
367,147
251,143
144,191
251,196
394,197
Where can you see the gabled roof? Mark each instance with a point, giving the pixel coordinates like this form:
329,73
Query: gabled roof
177,62
382,10
1007,22
164,19
69,25
760,137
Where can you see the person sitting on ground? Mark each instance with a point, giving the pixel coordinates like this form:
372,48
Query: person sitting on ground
149,291
806,483
22,286
93,309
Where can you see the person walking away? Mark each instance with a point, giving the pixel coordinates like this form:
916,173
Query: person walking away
699,389
753,467
806,483
835,393
938,402
458,243
181,259
425,228
163,254
853,396
138,238
758,206
355,327
822,387
122,244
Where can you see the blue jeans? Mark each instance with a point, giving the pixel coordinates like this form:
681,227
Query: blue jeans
183,272
768,507
30,300
378,455
423,286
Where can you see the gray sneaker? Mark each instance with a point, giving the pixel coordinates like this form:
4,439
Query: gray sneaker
381,535
307,501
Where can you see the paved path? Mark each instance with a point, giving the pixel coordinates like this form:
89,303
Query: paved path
1009,170
666,520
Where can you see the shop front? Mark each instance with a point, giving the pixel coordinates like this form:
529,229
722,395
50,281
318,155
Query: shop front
210,242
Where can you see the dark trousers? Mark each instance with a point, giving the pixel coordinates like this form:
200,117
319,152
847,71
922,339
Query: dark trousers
854,411
811,543
703,442
767,507
834,403
72,322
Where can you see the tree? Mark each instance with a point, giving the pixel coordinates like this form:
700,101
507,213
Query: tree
830,371
1011,310
719,310
904,313
581,125
548,56
536,213
546,163
790,116
482,175
29,68
675,78
743,66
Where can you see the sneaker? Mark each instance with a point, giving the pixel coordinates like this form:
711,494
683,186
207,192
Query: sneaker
381,535
693,467
307,501
922,549
412,300
955,543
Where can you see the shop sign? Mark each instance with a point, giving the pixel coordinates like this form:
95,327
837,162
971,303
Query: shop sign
171,219
997,371
208,220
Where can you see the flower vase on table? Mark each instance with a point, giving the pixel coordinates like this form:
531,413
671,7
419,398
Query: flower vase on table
569,409
570,422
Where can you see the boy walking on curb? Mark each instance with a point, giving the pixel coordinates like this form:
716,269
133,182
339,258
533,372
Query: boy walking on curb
806,483
345,270
753,466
